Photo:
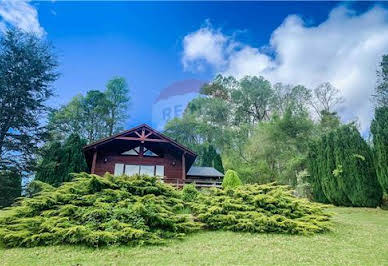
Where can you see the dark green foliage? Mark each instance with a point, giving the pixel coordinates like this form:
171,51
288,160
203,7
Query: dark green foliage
10,187
73,159
189,192
313,165
36,187
136,210
231,179
342,171
211,158
58,161
260,209
98,211
379,129
27,71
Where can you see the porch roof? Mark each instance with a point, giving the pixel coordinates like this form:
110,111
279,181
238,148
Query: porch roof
204,172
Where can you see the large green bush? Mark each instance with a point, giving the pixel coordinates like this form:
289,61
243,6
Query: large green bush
260,208
97,211
109,210
231,179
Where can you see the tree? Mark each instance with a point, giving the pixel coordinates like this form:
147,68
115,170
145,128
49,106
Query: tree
381,91
60,160
379,129
10,186
117,97
325,98
27,71
68,119
231,179
285,97
248,98
341,164
73,159
93,116
211,158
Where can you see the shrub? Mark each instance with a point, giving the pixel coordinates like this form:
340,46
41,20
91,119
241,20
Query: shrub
231,179
189,192
266,208
98,211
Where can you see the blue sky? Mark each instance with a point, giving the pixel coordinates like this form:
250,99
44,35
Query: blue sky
145,42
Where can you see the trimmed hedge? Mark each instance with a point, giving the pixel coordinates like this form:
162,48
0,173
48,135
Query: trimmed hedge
266,208
98,211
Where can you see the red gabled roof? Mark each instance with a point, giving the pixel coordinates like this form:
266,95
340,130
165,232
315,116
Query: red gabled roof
111,138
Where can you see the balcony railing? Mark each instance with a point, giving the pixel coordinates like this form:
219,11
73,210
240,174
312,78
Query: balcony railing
199,182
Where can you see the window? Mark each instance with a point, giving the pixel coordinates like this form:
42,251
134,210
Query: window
134,151
147,170
150,153
119,169
131,169
159,170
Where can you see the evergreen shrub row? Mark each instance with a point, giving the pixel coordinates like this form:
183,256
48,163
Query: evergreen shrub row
98,211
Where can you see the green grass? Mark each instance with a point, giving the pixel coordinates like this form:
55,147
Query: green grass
359,237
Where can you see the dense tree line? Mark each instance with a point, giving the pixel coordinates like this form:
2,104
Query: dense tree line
292,135
261,130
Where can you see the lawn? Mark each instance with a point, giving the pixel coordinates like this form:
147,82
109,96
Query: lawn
359,237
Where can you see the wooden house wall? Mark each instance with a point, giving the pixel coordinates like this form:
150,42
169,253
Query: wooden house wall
105,162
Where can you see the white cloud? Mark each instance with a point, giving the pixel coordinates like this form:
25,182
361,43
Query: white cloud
344,50
204,46
20,14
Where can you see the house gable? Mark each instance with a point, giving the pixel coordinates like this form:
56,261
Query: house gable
140,145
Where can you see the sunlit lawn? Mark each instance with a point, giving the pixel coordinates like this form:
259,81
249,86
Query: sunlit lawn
359,237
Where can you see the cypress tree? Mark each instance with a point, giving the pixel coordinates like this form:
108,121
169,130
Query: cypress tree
329,181
211,158
354,168
50,169
73,159
10,187
379,129
313,167
58,161
341,165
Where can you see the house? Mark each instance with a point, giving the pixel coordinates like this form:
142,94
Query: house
143,150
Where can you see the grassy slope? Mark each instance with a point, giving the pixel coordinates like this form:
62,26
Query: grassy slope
359,238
